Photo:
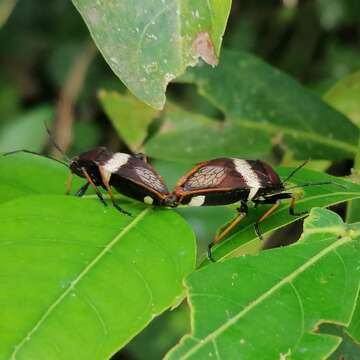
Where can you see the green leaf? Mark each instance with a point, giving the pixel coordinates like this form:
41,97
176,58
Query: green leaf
129,116
198,137
79,280
27,174
149,43
354,328
273,303
27,131
263,99
308,197
344,96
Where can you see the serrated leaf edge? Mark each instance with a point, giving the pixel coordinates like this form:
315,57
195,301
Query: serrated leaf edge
250,306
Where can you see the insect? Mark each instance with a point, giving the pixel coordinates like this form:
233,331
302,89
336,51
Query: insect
226,181
130,175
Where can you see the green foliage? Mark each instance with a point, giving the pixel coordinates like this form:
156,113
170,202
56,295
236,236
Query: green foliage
258,97
254,117
80,280
345,97
149,43
76,262
249,312
130,117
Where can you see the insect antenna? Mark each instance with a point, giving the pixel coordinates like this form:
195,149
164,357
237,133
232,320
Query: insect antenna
51,137
35,153
295,171
316,184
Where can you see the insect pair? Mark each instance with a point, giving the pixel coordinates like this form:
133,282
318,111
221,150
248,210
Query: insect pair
220,181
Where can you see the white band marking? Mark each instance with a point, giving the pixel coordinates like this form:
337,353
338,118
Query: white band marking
197,200
116,162
249,175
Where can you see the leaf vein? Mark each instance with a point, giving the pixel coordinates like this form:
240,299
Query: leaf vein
72,285
268,293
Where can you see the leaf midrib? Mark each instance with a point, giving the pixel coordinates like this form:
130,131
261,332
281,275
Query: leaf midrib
267,127
73,284
213,335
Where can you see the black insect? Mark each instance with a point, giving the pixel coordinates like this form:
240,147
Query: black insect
229,180
129,175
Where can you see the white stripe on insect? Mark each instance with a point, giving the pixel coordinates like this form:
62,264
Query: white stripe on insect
249,175
116,162
197,200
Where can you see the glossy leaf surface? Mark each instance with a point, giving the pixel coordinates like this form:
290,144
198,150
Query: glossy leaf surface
91,278
259,97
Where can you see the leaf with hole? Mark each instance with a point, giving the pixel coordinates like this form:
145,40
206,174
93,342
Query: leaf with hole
272,303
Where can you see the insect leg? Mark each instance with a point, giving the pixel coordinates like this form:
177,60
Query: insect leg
82,190
69,183
243,209
98,193
275,205
292,208
105,181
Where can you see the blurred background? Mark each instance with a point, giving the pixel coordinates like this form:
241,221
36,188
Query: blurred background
51,71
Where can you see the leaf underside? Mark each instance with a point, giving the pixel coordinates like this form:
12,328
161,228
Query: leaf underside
149,43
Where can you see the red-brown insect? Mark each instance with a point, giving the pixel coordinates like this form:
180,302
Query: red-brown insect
229,180
130,175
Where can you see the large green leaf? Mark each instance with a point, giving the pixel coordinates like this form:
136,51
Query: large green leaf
147,43
269,306
129,116
308,197
260,98
79,280
198,138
